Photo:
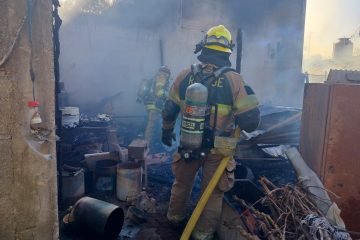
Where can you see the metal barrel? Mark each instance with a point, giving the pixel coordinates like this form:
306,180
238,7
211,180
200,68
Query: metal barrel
105,175
128,181
73,186
103,219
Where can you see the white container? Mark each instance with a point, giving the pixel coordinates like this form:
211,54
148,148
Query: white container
124,154
70,117
34,114
128,181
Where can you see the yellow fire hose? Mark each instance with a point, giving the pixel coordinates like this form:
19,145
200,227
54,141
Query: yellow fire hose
204,199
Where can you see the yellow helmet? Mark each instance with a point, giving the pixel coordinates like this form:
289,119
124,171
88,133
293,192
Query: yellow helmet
219,38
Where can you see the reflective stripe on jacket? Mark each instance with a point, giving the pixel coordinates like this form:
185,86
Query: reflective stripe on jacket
228,95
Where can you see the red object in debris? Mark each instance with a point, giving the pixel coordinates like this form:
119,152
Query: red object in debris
249,220
33,104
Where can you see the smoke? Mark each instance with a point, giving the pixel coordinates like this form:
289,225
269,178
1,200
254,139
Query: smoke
70,8
324,27
106,52
322,30
272,57
109,46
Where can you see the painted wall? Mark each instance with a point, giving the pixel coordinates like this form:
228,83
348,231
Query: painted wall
28,189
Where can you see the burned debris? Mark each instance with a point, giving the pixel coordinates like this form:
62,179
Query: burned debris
120,132
271,202
291,214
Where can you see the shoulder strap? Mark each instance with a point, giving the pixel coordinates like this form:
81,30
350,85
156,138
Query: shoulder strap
196,70
218,72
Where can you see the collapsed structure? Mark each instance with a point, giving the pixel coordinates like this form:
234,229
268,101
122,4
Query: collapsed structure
94,137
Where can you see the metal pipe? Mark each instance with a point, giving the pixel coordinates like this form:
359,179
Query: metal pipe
238,50
130,116
161,46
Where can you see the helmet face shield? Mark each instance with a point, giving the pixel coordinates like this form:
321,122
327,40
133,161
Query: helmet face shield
219,41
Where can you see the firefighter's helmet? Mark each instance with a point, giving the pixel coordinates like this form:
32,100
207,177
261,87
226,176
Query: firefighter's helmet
165,69
219,38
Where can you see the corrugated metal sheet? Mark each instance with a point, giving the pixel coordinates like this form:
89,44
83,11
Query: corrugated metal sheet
343,76
280,125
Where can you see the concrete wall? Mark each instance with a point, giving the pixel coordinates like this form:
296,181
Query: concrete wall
28,189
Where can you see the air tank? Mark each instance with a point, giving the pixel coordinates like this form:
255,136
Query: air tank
193,117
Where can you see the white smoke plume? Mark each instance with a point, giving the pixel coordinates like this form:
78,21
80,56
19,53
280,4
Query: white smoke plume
323,28
109,46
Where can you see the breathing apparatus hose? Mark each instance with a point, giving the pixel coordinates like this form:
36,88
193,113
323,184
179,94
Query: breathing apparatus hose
204,199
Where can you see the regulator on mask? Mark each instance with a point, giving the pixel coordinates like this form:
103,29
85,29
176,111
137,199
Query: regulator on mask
193,121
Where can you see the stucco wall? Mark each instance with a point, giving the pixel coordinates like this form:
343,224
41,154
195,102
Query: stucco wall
28,188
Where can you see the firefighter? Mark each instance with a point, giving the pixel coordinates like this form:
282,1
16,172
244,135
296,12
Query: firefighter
153,94
231,104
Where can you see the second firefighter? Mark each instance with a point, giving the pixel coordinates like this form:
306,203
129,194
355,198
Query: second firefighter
153,94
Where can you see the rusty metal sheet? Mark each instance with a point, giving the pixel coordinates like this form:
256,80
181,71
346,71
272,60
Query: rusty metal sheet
313,124
342,151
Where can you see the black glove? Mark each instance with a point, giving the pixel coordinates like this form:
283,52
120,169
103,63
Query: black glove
159,103
167,137
248,120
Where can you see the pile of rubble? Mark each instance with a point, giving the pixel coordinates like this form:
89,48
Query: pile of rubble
291,214
276,195
297,210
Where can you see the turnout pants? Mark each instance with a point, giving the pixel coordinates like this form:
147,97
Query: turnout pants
185,174
152,130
